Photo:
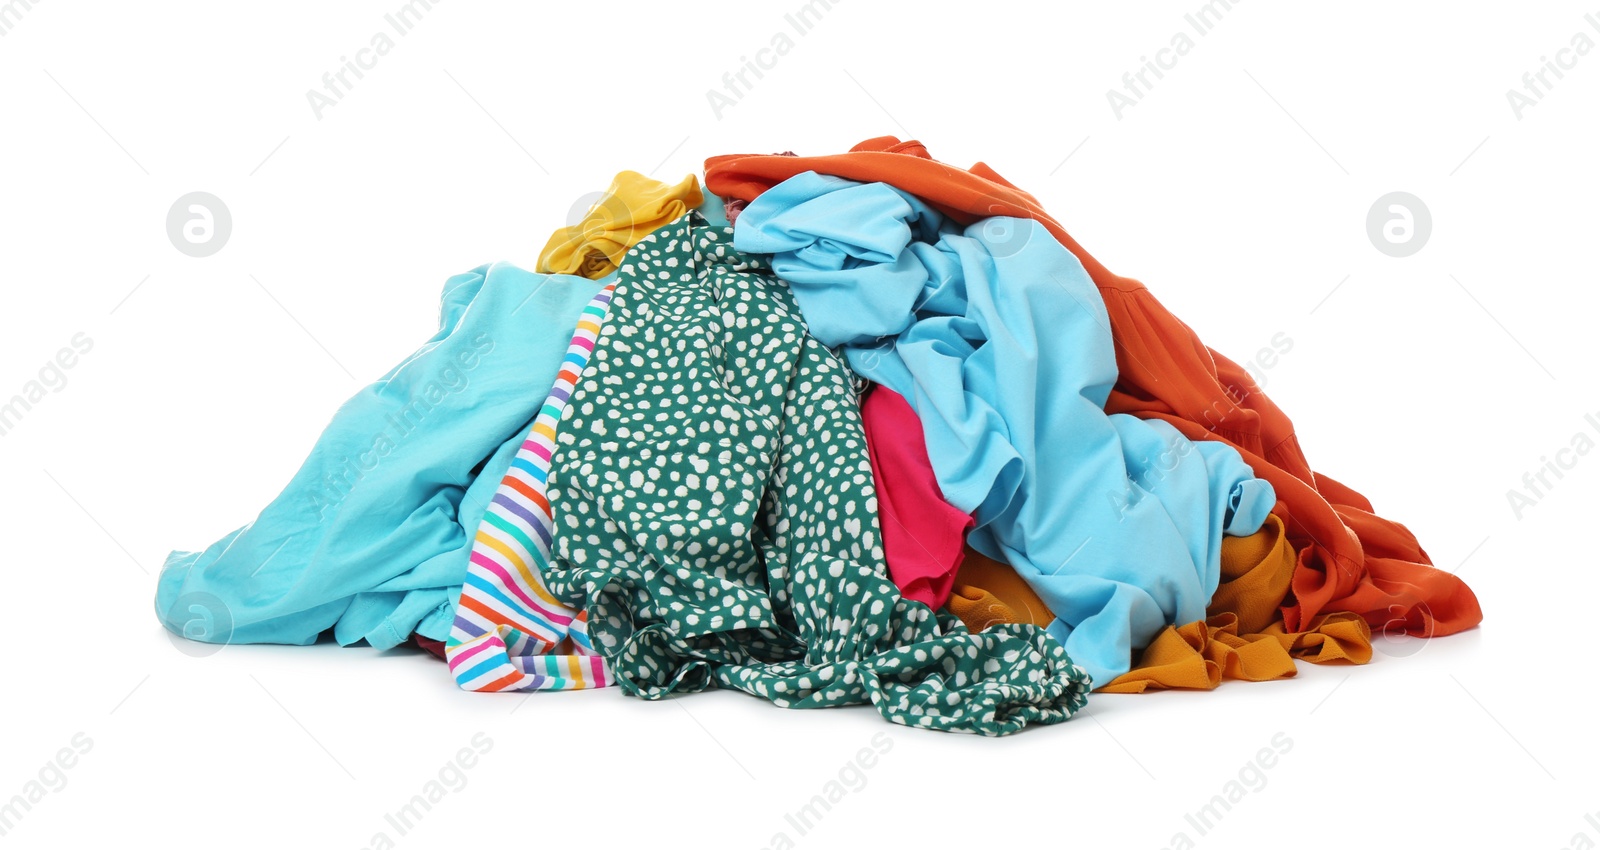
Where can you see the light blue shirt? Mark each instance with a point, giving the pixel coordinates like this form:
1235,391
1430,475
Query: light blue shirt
1000,341
371,537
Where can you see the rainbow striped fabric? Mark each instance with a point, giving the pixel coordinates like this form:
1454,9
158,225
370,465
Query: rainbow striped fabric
510,632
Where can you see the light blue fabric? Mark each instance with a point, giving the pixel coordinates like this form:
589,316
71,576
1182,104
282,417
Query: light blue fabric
711,206
371,537
1000,341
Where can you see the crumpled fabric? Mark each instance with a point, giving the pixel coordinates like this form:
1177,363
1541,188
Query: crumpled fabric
1244,636
1350,558
632,207
924,536
371,536
988,593
1200,655
715,518
510,634
1255,576
995,334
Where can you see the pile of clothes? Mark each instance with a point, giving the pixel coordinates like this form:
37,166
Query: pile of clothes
863,428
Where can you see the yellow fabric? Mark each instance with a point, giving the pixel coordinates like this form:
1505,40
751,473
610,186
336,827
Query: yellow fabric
1244,637
632,208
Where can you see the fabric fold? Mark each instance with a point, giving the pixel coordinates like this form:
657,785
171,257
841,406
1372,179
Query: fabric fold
989,593
994,334
628,210
1244,637
1165,372
714,515
510,633
923,535
371,536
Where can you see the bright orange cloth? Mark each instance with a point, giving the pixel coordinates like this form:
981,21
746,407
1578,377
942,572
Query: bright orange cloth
1349,559
633,207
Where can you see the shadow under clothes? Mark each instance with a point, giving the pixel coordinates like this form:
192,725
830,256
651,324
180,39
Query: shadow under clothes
371,536
997,336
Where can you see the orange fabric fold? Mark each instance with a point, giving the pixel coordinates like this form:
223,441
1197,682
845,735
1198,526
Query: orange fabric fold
988,592
1330,638
1201,654
1244,637
1255,576
1349,558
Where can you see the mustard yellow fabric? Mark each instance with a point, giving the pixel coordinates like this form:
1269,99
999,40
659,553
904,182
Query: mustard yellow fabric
1200,655
632,208
1244,636
1255,576
987,592
1340,636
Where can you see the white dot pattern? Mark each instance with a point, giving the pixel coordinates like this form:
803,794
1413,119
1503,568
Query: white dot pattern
715,514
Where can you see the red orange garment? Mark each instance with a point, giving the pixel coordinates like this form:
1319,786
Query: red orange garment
1349,558
923,535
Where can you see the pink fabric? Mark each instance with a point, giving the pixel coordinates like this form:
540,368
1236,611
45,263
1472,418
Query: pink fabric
923,536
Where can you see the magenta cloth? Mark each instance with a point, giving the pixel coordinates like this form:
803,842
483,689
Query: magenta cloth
923,536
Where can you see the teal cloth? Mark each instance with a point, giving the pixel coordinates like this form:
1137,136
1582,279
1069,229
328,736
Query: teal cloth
372,535
712,207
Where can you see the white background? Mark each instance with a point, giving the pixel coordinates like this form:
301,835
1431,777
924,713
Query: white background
1238,189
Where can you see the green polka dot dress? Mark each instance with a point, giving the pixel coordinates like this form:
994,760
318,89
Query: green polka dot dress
716,518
